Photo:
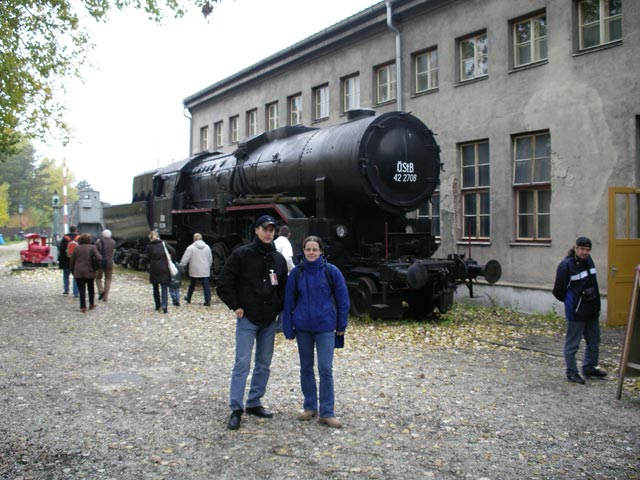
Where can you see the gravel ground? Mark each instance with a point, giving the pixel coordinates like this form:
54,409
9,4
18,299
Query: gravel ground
123,392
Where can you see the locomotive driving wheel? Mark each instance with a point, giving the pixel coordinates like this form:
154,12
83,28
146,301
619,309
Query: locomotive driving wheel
360,297
421,304
220,255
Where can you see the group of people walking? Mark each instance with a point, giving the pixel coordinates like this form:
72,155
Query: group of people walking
86,263
197,257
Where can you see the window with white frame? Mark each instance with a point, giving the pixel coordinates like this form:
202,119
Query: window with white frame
600,22
321,102
426,70
350,93
474,52
532,185
386,83
217,129
204,139
272,116
431,209
295,109
530,40
252,123
233,129
475,181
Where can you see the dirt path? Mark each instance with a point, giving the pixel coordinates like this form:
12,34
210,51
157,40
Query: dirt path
124,392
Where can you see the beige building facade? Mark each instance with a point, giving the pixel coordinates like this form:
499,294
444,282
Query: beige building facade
535,103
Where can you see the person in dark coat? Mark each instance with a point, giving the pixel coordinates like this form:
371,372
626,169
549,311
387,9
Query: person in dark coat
576,286
316,309
64,261
83,270
252,284
159,275
106,246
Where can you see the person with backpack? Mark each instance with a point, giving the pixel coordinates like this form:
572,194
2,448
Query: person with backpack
65,249
316,309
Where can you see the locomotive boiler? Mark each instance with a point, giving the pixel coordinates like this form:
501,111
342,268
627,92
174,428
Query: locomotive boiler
351,184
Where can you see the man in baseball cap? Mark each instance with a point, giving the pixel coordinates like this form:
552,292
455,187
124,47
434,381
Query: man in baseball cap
252,284
265,220
576,286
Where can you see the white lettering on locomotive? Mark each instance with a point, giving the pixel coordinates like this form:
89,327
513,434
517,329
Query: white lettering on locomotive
405,173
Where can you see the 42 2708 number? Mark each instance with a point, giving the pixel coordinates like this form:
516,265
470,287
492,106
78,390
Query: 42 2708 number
405,177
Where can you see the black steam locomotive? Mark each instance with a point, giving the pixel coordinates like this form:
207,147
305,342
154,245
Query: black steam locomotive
350,184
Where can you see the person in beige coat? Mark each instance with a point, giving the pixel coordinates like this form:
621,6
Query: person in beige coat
83,271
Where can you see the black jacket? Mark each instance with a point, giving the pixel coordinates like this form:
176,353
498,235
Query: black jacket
158,264
245,282
577,286
64,261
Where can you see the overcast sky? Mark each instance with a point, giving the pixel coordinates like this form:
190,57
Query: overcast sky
127,115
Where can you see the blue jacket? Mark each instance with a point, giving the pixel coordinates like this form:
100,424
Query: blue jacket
316,307
574,276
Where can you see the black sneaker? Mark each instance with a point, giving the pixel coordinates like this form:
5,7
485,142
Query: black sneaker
575,378
259,411
596,372
234,420
100,296
186,299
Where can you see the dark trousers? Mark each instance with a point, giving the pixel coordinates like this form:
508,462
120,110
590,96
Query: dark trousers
85,284
160,295
205,286
576,330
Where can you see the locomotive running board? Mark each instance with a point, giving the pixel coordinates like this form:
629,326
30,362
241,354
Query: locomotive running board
391,309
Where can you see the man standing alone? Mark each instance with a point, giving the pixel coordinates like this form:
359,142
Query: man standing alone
576,286
252,284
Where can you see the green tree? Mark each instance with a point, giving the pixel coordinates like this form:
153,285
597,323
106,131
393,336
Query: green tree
4,205
31,183
45,42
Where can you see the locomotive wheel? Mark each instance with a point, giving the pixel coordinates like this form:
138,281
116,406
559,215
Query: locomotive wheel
220,255
360,297
421,304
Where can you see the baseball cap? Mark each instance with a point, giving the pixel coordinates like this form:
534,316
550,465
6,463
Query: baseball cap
265,220
583,242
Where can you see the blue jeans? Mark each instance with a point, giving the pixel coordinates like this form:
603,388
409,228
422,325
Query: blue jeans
247,334
157,288
65,282
590,330
324,343
205,286
175,294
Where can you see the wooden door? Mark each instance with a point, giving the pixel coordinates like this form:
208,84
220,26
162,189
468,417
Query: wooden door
624,251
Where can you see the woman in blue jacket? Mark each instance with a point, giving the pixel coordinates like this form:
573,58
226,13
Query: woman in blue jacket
316,308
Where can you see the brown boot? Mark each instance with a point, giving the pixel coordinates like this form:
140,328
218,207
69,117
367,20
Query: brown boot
307,415
332,422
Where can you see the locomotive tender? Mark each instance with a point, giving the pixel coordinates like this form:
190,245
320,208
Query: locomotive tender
350,184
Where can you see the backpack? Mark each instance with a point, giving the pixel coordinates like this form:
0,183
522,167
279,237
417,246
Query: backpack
71,245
